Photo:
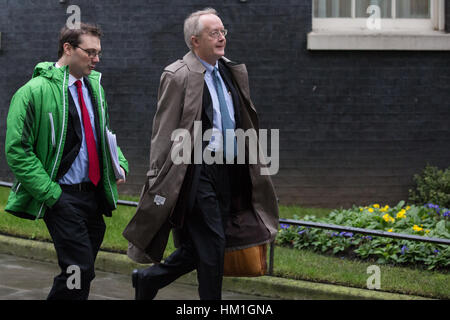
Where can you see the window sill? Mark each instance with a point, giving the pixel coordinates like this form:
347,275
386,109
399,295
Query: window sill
369,40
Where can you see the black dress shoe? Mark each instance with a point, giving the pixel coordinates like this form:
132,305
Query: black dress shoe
141,291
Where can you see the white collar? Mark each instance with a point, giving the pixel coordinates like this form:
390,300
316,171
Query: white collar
72,80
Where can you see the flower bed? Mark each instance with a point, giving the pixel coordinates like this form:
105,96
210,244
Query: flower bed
429,220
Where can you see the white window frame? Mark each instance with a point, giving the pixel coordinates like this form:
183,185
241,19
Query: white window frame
395,34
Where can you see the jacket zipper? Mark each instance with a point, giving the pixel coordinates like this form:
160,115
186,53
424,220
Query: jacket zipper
17,188
60,139
50,115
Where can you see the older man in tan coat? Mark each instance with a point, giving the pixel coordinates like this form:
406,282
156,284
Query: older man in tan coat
212,208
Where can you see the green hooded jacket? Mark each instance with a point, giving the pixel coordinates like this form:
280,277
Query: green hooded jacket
35,137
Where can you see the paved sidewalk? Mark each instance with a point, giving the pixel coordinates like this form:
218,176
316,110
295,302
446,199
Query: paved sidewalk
115,279
26,279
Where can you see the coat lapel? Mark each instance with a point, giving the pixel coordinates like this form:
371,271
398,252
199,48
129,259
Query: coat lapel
74,115
239,72
194,96
207,105
196,80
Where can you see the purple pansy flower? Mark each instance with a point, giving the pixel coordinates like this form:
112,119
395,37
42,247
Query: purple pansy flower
404,248
346,234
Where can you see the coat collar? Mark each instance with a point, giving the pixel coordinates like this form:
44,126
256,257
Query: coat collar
193,63
238,70
196,66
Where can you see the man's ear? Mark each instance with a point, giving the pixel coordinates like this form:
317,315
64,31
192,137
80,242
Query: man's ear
194,41
67,49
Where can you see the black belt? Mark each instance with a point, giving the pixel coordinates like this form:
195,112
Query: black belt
80,187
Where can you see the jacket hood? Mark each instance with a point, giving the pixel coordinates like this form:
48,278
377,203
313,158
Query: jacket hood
48,70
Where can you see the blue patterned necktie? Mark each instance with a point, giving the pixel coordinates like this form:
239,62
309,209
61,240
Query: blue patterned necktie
227,122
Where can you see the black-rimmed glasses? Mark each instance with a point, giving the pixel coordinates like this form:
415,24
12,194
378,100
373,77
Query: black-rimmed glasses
92,53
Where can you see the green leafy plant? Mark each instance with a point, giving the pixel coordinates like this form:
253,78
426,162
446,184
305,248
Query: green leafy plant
429,221
432,186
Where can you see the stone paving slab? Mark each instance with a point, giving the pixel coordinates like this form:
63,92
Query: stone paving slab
26,279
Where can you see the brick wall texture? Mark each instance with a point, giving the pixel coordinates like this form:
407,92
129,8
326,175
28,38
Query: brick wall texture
354,125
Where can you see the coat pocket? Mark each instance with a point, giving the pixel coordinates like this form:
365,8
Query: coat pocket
52,127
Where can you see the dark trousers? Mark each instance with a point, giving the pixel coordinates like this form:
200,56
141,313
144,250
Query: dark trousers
77,230
203,246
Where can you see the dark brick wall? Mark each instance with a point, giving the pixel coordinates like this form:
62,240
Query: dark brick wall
354,126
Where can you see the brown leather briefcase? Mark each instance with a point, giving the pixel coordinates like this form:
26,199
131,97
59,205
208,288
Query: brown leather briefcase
249,262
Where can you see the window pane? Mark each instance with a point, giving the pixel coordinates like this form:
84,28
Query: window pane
385,7
332,8
413,9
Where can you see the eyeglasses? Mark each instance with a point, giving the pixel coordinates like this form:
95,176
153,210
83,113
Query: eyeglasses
216,33
92,53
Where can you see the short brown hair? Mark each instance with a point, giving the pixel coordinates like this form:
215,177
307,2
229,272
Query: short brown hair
72,36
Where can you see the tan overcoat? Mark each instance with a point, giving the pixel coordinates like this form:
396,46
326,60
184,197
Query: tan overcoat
179,105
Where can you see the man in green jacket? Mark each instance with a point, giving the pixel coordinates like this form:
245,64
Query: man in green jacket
57,147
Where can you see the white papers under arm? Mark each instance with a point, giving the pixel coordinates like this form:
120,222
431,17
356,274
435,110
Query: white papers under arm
112,145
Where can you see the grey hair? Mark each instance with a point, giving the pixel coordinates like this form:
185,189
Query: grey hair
192,25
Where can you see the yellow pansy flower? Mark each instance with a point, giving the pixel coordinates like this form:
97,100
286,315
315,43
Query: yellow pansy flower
388,218
376,205
370,210
407,208
401,214
390,230
417,228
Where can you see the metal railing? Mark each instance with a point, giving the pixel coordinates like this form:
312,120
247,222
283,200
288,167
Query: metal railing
311,224
372,232
6,184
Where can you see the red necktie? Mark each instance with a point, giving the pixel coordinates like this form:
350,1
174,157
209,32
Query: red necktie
94,169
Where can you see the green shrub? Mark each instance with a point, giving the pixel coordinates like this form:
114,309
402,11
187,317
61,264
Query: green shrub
432,186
